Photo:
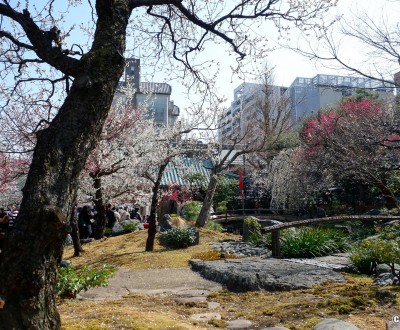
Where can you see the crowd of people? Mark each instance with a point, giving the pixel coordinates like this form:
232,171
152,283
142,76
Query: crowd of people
88,219
86,215
7,218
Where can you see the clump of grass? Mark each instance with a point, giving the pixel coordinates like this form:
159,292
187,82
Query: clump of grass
212,225
218,323
306,242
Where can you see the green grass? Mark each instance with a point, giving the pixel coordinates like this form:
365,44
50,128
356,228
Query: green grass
309,242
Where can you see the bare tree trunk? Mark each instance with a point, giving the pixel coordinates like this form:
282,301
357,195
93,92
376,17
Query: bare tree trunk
75,234
152,231
100,208
207,203
33,250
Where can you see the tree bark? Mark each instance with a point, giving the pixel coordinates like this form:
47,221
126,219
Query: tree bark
75,234
208,199
152,230
33,250
100,208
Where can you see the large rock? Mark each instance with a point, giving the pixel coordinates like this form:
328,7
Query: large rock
254,274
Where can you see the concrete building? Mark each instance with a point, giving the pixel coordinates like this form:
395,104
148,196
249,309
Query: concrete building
310,95
156,97
246,108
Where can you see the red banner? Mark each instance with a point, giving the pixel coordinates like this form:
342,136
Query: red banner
241,185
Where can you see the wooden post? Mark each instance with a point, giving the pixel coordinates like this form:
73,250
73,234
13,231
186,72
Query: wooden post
276,247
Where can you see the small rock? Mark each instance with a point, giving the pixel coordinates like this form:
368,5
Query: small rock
239,324
392,325
190,300
275,328
86,240
381,269
193,293
335,324
385,279
65,263
213,305
385,295
205,317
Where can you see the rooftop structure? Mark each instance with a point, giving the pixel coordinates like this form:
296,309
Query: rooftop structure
310,95
156,97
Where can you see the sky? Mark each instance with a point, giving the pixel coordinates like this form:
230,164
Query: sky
288,65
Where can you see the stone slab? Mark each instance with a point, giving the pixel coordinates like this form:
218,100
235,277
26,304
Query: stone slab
254,274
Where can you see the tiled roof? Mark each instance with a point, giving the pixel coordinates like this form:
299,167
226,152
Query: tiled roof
155,88
175,173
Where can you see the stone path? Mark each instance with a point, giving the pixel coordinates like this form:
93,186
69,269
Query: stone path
151,281
190,287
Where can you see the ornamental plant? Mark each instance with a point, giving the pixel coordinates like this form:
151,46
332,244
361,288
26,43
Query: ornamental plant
310,242
178,237
191,210
72,281
382,250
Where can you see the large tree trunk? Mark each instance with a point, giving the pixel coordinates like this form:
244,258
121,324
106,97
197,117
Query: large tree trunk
208,199
33,250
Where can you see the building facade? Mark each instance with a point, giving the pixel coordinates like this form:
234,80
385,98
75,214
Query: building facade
310,95
248,106
155,97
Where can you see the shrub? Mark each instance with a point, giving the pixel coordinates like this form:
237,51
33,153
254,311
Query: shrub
306,242
376,251
178,237
107,231
70,281
130,227
360,231
191,210
255,237
222,206
212,225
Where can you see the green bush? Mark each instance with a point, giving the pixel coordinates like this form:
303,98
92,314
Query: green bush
306,242
212,225
130,227
359,230
255,236
191,210
178,237
70,281
376,251
222,206
107,231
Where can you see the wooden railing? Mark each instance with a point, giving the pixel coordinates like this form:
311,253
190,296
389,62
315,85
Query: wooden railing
225,216
275,230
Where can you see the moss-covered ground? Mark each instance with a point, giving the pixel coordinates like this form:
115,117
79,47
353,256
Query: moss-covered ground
355,301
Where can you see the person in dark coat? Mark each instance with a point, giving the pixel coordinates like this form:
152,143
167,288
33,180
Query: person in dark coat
85,219
110,215
135,214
